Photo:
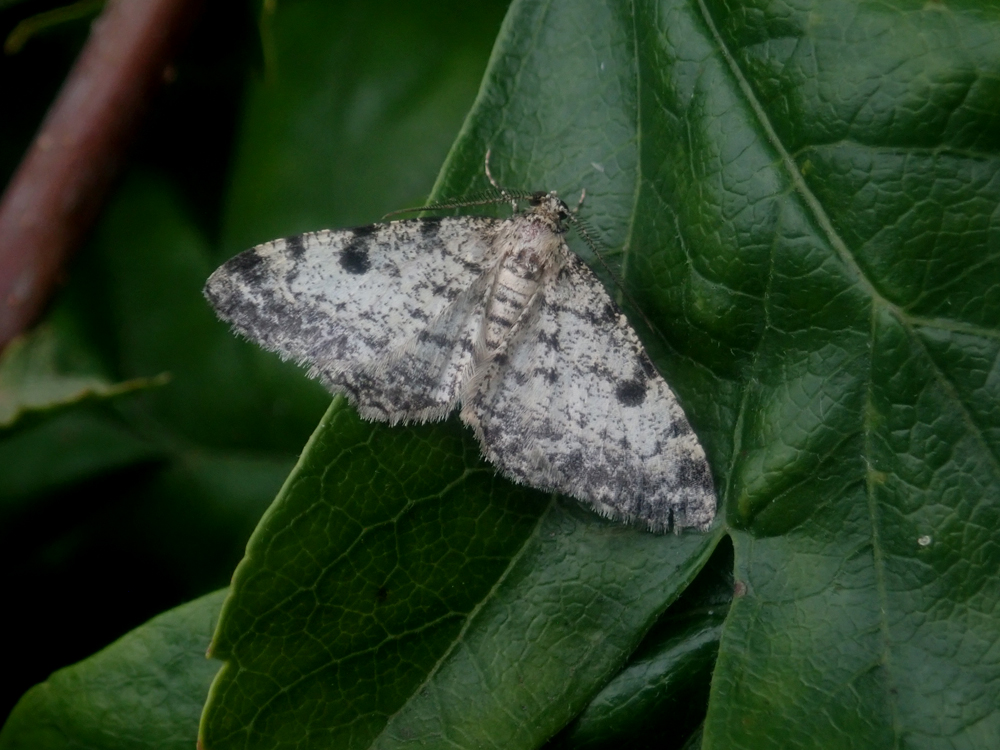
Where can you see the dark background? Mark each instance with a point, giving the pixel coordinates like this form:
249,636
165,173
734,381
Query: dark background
113,511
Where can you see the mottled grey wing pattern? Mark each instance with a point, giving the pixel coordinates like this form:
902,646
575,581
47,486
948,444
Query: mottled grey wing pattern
573,404
423,378
340,301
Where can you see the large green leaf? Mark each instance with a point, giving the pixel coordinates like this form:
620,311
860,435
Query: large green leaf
799,199
396,570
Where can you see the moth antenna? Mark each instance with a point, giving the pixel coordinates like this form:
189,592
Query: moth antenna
477,199
579,203
584,231
489,176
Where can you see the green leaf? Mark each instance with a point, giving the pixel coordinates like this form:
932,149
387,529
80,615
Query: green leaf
865,472
471,570
53,429
357,105
799,201
143,691
658,699
654,701
33,377
423,596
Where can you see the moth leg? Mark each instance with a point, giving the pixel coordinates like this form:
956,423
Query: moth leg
495,184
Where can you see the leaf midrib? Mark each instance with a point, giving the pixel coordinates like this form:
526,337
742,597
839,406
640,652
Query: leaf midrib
474,612
878,558
826,226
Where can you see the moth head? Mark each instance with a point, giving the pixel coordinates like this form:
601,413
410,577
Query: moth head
550,206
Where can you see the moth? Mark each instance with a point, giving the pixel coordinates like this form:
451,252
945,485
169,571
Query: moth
411,319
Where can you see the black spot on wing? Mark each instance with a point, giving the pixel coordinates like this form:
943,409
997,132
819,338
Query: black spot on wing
438,339
248,266
354,256
549,340
354,259
607,315
631,392
549,374
678,427
429,229
295,246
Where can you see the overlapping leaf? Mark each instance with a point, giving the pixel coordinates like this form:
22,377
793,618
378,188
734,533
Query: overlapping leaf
144,690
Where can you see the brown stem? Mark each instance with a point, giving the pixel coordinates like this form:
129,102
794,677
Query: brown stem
60,185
